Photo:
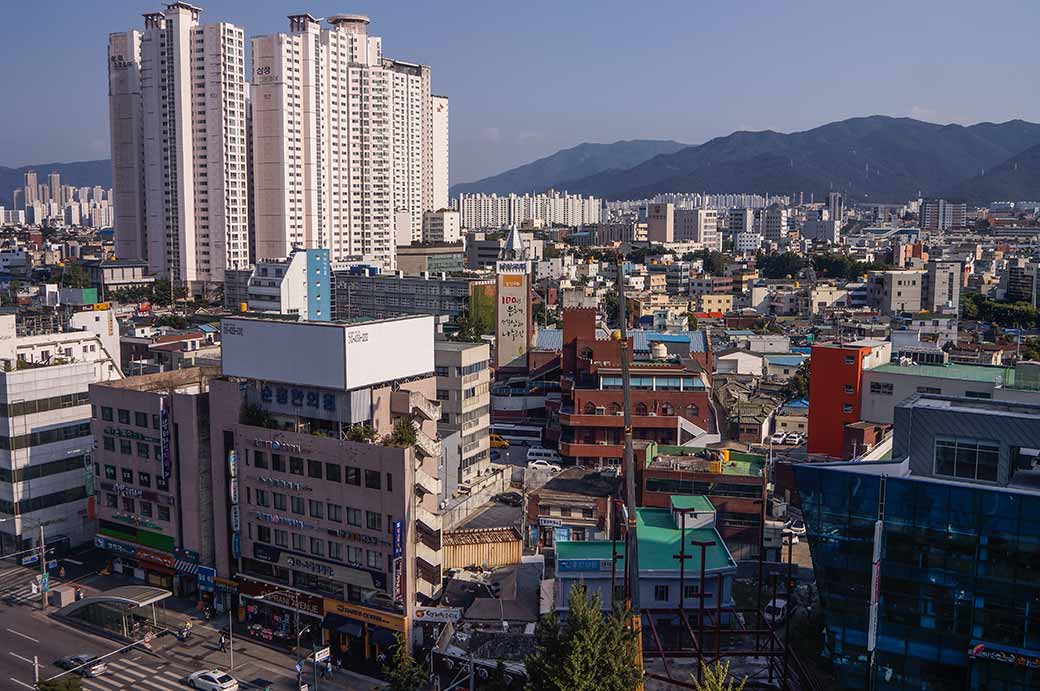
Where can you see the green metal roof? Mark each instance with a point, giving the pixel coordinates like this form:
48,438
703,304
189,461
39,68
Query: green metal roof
979,373
691,502
659,540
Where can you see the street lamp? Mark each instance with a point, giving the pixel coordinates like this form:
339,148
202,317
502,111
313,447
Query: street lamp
43,557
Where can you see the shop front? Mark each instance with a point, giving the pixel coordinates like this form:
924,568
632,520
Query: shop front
361,638
277,615
148,566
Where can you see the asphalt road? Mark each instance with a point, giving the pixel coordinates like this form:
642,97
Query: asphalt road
514,455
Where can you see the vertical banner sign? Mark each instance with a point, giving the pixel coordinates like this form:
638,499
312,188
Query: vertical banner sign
164,434
398,545
513,313
236,521
875,587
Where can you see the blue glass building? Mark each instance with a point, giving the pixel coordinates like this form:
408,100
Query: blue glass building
956,520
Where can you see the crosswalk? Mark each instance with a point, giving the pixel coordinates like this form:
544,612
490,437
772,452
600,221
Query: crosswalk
127,675
16,585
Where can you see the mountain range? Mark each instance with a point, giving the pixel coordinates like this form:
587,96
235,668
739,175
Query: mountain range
77,174
875,158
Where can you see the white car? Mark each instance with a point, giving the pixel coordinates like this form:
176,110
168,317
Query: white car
795,439
795,527
544,465
778,437
776,611
213,680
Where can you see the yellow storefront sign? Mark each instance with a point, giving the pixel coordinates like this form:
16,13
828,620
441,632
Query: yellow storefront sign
371,616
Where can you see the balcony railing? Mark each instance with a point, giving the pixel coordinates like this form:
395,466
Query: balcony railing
426,482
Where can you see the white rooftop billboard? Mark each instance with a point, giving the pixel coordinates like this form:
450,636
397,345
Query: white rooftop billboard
327,355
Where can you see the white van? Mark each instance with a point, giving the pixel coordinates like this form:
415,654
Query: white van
539,454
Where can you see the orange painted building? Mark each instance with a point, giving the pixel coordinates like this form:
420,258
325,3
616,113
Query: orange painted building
835,383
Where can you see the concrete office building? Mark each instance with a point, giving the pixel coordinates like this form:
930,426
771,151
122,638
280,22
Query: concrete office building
482,252
154,480
941,290
463,390
775,223
49,359
300,284
895,291
492,211
344,142
698,225
383,296
660,223
939,214
345,530
177,108
443,225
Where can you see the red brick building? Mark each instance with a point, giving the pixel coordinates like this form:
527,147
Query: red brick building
670,390
835,386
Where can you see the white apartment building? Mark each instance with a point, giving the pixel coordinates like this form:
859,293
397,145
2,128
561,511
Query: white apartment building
177,108
441,112
344,141
492,211
776,223
46,365
463,391
698,225
443,225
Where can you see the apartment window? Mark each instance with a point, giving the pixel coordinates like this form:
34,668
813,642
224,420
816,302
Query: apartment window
333,472
355,554
317,508
883,388
141,419
847,408
929,389
142,449
314,469
335,551
162,483
124,416
109,444
127,474
298,542
850,360
661,593
972,459
317,546
146,509
111,501
295,465
259,460
375,560
978,394
155,422
335,512
106,413
850,389
144,479
690,592
373,479
281,538
128,504
263,498
263,534
124,446
354,516
353,476
389,482
280,501
298,506
278,462
374,520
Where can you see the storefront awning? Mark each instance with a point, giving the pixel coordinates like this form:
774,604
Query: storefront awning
381,637
341,624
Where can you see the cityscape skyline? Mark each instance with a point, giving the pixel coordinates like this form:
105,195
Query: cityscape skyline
491,133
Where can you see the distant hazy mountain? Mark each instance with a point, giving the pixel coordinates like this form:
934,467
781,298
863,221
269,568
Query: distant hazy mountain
570,164
1016,179
871,158
77,173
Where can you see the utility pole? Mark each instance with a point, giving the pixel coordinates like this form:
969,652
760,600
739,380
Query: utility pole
631,539
704,545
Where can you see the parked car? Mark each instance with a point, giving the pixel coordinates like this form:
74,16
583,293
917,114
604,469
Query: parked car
498,442
776,611
509,498
213,680
778,437
795,439
84,665
537,453
543,465
795,527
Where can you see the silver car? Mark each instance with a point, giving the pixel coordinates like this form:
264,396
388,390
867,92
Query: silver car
84,665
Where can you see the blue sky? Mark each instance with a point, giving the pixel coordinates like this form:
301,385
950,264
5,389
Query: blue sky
528,78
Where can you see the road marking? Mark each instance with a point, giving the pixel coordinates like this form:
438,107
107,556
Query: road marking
28,638
72,561
21,683
23,659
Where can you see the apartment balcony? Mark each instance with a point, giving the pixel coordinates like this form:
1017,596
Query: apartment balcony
427,445
413,402
426,483
430,573
427,520
603,450
425,587
570,418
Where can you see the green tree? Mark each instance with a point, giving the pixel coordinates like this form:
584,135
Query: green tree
402,671
161,294
497,680
714,262
361,432
471,327
798,385
717,678
550,252
73,275
610,309
691,321
781,265
402,435
173,321
590,651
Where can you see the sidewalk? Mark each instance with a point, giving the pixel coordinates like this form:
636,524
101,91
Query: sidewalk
253,659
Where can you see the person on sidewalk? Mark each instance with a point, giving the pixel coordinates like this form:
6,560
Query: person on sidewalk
223,643
328,669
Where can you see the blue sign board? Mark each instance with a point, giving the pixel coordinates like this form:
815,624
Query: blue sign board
398,539
580,564
206,576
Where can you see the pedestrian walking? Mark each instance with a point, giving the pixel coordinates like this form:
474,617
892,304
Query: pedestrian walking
328,669
299,672
223,643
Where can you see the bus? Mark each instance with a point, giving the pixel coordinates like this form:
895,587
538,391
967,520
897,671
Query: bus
520,435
